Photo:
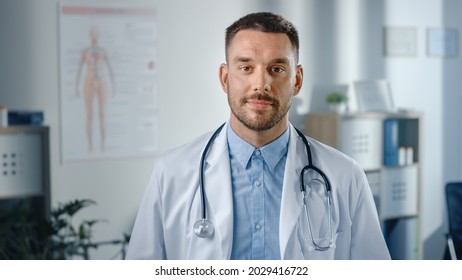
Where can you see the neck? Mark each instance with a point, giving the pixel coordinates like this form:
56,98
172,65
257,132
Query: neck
258,138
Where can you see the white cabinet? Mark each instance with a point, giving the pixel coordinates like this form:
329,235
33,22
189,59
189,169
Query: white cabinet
362,141
399,196
25,167
387,146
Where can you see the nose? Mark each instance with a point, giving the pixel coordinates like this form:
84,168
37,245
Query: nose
262,81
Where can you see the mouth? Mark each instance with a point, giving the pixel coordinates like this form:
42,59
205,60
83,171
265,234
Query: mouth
260,102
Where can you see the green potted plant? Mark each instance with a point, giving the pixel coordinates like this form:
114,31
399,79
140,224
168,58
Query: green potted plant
337,101
25,237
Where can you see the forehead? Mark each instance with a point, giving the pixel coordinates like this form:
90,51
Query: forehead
262,44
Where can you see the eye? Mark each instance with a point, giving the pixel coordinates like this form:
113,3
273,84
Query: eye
245,68
277,69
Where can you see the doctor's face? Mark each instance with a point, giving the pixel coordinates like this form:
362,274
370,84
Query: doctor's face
260,78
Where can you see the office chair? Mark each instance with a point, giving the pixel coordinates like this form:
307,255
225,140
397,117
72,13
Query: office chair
454,207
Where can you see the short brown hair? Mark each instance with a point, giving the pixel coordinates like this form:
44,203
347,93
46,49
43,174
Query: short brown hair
264,22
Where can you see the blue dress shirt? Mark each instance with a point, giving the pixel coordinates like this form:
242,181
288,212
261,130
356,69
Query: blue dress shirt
257,177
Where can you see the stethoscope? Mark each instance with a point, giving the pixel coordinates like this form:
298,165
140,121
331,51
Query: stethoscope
204,228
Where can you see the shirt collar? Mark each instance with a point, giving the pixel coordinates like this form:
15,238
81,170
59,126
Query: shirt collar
272,152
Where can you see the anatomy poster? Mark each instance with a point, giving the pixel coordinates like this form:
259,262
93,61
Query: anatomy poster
108,91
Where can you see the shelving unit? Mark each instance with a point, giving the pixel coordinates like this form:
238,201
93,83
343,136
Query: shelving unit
24,181
387,146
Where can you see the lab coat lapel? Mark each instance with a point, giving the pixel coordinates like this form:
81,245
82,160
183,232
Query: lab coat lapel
291,202
217,178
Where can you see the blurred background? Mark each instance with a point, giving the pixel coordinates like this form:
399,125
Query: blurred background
342,41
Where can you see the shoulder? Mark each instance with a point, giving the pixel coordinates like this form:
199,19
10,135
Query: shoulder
337,165
324,156
323,152
185,152
179,167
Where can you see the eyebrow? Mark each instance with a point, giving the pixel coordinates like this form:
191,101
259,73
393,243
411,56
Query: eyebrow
242,59
281,60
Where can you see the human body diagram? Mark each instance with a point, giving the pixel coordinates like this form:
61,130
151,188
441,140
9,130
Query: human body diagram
94,58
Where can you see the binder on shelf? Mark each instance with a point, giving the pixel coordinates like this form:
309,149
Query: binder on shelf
390,143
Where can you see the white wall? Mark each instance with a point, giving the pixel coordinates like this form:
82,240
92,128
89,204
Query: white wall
341,41
430,85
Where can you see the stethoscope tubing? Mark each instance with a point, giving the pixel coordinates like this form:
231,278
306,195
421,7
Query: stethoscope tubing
201,171
310,165
303,190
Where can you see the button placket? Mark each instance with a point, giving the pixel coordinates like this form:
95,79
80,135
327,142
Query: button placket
258,204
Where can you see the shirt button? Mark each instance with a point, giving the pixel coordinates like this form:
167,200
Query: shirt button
258,183
257,153
257,226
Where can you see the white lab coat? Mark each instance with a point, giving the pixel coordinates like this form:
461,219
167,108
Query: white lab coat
171,205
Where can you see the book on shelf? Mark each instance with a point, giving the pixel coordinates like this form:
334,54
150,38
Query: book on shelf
390,143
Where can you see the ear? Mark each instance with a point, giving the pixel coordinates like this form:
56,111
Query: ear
298,79
223,75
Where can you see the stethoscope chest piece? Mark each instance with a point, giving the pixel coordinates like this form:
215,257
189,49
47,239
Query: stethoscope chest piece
203,228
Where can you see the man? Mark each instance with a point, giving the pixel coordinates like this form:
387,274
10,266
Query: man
236,194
